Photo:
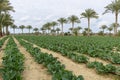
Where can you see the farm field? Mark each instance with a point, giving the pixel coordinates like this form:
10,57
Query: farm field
62,58
59,40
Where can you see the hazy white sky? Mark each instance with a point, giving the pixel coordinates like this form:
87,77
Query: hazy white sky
38,12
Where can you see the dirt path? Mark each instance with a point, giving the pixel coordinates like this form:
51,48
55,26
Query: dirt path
33,71
2,37
78,69
91,59
2,54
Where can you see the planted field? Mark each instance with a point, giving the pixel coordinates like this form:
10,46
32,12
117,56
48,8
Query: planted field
104,50
12,64
52,40
60,58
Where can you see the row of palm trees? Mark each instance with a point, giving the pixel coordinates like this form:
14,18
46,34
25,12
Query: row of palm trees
112,27
22,27
5,17
76,30
89,13
113,7
29,27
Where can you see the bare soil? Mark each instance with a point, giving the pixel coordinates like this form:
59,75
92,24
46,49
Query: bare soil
2,54
33,70
78,69
91,59
2,37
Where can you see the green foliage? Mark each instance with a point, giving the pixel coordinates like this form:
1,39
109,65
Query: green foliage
12,62
53,65
75,48
118,71
93,46
2,41
100,68
67,76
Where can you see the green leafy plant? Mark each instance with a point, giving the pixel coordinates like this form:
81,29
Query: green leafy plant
53,65
13,62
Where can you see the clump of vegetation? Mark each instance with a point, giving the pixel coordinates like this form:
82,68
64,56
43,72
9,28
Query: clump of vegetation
53,65
12,62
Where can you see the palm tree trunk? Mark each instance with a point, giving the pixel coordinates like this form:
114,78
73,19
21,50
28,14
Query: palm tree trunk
3,31
110,33
7,30
53,27
62,29
72,27
29,31
79,32
14,31
22,31
48,31
116,22
103,31
88,26
0,27
0,31
53,30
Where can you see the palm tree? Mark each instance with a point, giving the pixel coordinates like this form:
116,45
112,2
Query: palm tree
53,24
114,7
103,27
76,31
14,27
22,27
73,19
5,6
57,29
113,25
110,29
1,23
47,26
7,21
89,13
4,9
43,29
62,21
86,31
79,28
71,29
36,29
29,27
3,30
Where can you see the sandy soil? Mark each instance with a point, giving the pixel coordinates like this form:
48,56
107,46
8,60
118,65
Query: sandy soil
2,54
91,59
78,69
2,37
33,71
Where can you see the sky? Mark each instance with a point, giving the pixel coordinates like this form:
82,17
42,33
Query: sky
38,12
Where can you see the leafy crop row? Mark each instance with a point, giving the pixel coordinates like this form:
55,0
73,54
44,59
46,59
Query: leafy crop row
100,68
12,62
53,65
77,58
2,41
42,41
101,47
